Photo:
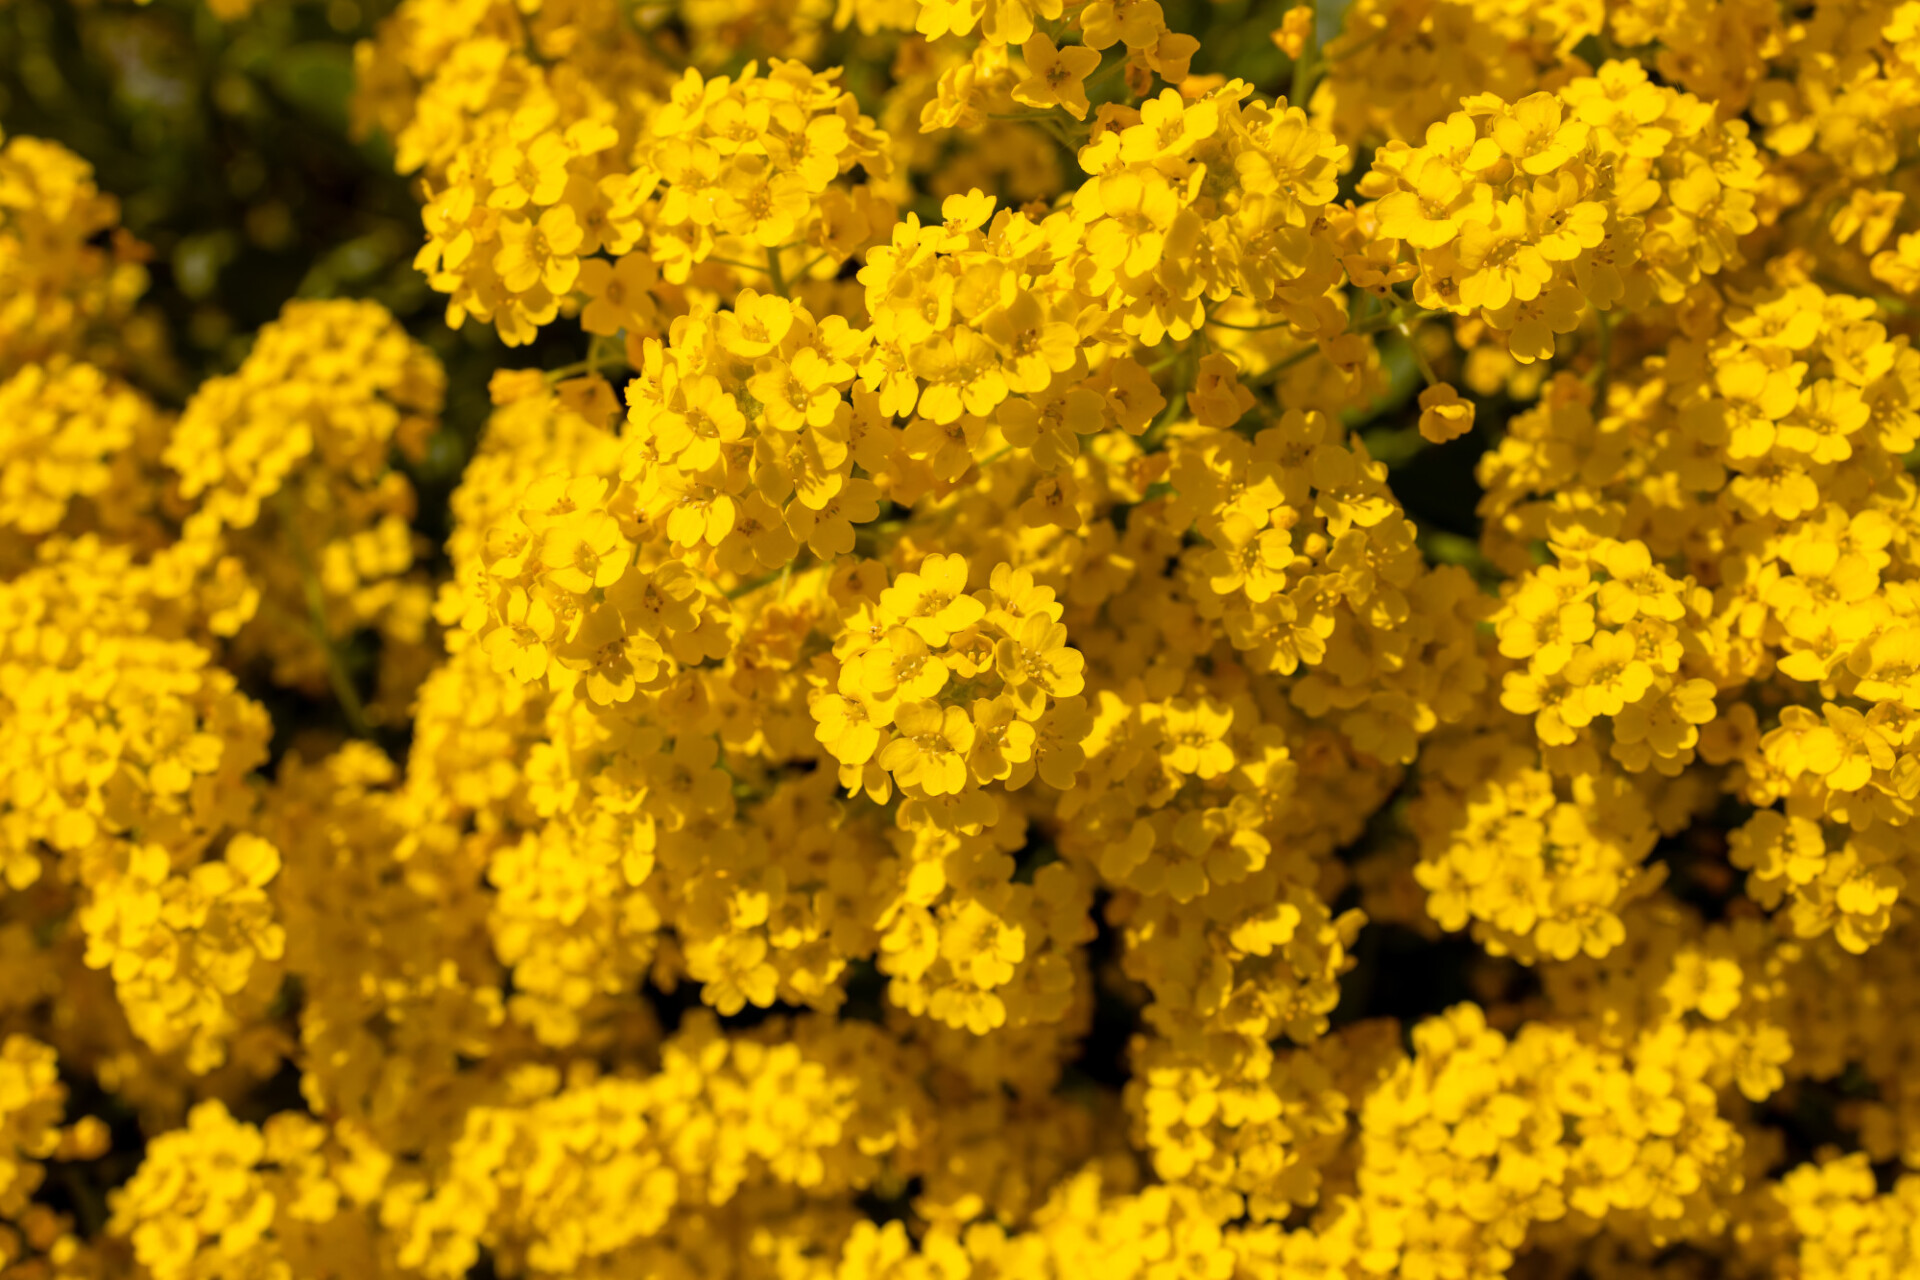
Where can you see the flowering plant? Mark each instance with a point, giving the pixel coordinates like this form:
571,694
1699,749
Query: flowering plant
952,639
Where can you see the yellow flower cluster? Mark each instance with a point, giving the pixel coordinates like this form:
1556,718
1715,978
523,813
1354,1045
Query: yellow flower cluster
1737,541
126,772
1526,214
79,456
298,506
1121,656
221,1195
62,291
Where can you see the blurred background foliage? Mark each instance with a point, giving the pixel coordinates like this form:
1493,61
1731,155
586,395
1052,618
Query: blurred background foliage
227,144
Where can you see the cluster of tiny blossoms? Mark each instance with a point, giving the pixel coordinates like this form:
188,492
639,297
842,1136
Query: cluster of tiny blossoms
927,750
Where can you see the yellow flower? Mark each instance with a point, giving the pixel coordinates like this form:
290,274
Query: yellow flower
1137,22
932,603
1054,75
1003,740
929,747
1296,26
852,727
1036,661
828,531
1192,738
902,662
540,252
585,550
1606,675
1444,415
1137,208
620,293
535,173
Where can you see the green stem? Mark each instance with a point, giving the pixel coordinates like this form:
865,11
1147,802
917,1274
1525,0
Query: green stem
566,371
1153,435
1176,403
752,585
807,270
773,269
1419,356
1047,120
1272,372
351,708
1306,67
729,262
603,352
1603,365
89,1206
1363,43
1105,75
1891,305
1063,134
1397,316
1249,328
1389,319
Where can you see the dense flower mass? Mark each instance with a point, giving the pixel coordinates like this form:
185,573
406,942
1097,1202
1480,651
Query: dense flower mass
1065,638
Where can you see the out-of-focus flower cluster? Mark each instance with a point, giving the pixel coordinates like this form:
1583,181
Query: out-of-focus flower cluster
925,751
